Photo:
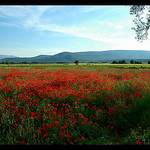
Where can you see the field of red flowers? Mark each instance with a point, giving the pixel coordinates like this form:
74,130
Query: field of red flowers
73,106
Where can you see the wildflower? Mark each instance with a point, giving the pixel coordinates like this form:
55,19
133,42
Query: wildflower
86,104
68,135
96,124
56,124
117,143
138,142
67,110
63,127
90,122
17,119
45,135
32,114
83,138
17,141
35,135
18,114
15,125
61,133
23,142
49,125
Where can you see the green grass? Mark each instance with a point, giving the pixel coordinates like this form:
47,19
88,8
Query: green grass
89,65
134,124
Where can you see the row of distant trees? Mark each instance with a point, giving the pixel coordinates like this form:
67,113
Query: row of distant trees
77,61
131,62
8,62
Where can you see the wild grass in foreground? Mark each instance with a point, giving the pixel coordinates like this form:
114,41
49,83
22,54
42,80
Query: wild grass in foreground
74,106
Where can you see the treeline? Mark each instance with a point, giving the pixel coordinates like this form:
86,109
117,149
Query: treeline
76,62
8,62
131,62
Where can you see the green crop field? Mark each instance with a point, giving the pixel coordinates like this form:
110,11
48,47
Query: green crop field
90,65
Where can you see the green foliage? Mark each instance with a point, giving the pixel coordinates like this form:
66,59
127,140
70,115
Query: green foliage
134,117
138,62
7,62
142,24
76,62
114,62
132,61
137,134
122,62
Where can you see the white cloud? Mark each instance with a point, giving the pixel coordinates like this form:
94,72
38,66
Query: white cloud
14,11
7,24
24,16
132,44
116,33
119,27
116,39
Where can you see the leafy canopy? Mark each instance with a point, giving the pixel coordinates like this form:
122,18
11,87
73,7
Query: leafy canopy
141,21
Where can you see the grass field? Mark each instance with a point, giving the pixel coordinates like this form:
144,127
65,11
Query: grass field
89,65
68,104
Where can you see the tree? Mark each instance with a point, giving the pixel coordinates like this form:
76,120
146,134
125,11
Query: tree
148,62
141,21
7,62
132,61
122,62
114,62
76,62
138,62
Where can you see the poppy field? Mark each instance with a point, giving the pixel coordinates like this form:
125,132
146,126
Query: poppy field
74,106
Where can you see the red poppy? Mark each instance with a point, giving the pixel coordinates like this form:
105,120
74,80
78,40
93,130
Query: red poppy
67,110
61,133
45,135
15,125
32,114
138,142
56,124
35,135
83,138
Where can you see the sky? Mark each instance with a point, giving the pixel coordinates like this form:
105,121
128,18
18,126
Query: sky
32,30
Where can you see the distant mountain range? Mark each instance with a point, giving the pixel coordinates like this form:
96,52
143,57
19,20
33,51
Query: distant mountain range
6,56
89,56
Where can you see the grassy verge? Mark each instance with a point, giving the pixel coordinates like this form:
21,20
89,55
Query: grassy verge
133,124
87,65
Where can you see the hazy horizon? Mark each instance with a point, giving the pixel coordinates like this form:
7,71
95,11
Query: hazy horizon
28,31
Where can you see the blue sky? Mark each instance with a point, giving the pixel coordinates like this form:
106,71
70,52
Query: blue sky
33,30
